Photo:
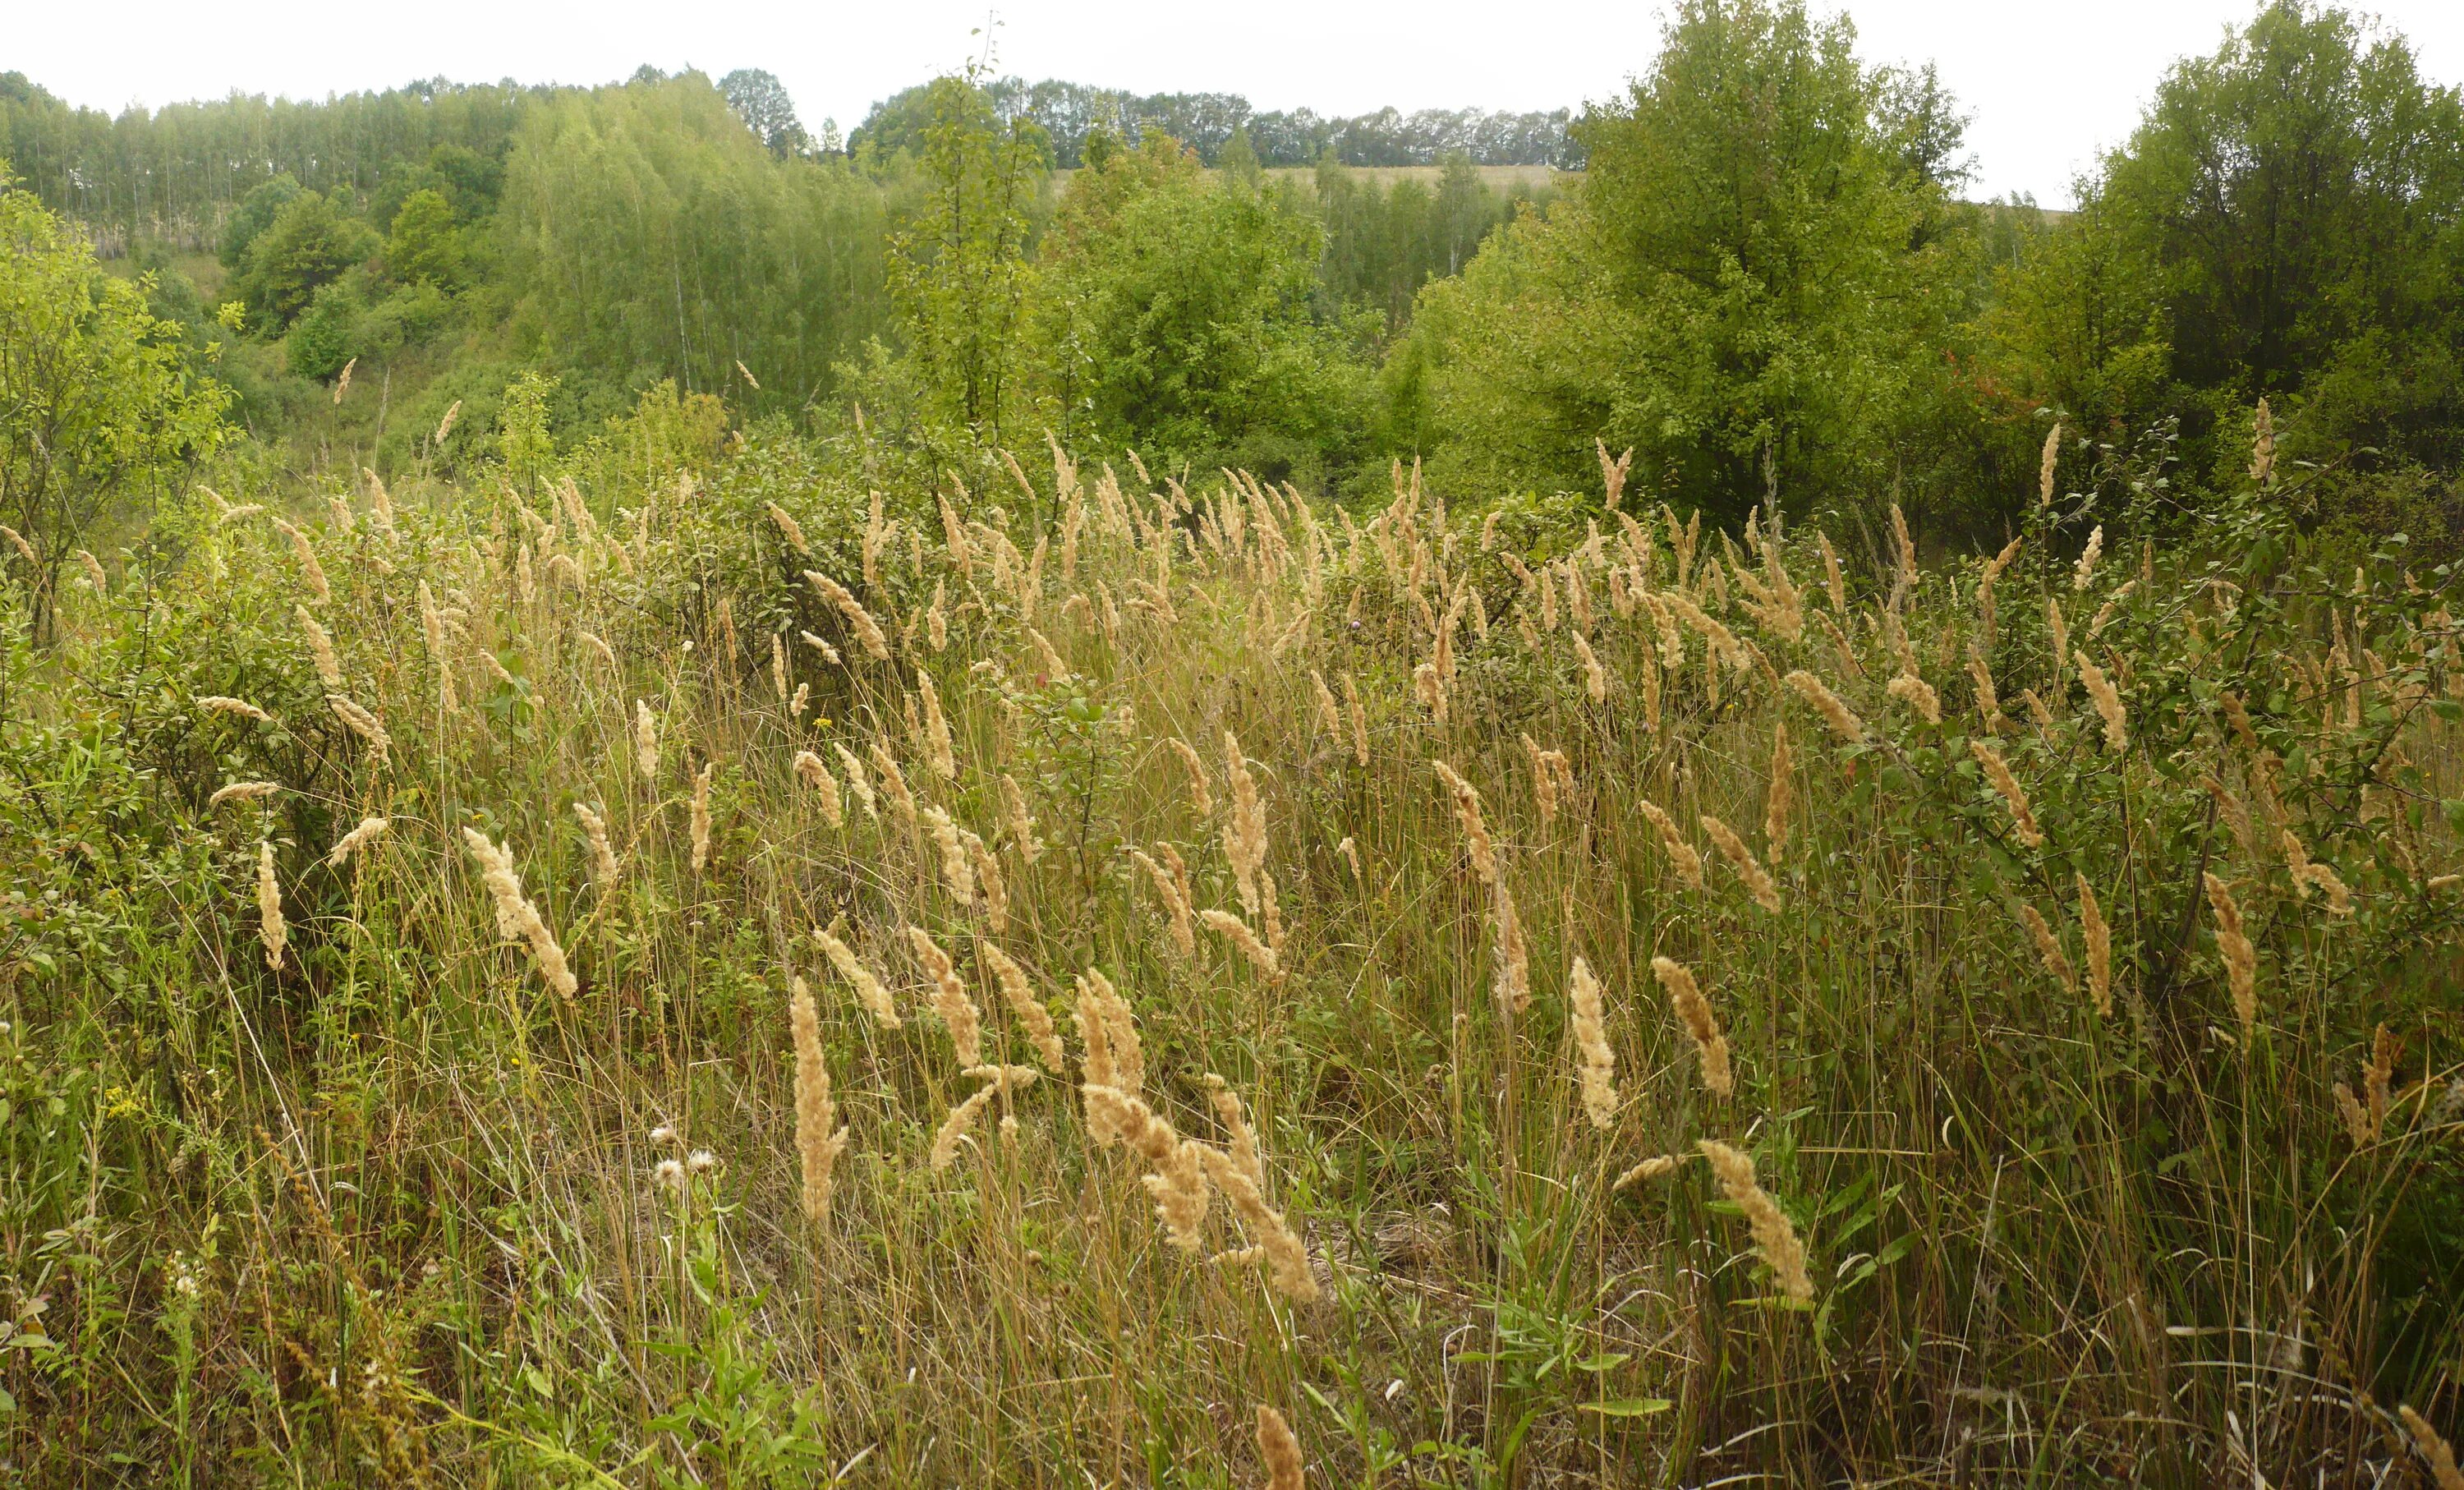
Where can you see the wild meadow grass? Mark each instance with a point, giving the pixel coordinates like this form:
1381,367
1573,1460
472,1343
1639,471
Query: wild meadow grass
729,980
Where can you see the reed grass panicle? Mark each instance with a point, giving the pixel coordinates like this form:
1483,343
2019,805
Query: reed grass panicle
1176,904
819,1137
1201,800
355,839
2049,948
1682,858
2107,700
310,570
1245,835
2099,948
1843,723
1694,1011
893,782
1029,1011
1477,841
1774,1235
1997,771
2233,946
1245,940
1592,1037
242,792
270,928
602,854
958,869
954,1128
701,816
516,917
949,998
2084,574
939,751
810,769
1287,1258
1018,821
870,991
1658,1166
1780,796
858,620
857,785
2443,1469
1277,1449
646,739
1757,880
989,883
1918,695
320,649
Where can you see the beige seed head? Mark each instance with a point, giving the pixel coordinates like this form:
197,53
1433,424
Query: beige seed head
1997,771
2233,946
816,775
2049,948
1277,1448
1201,800
270,928
1846,724
938,751
320,649
1245,940
356,839
1591,1036
646,738
1781,793
1774,1235
1918,695
1757,880
2443,1471
868,988
893,782
1287,1259
1694,1011
856,782
243,791
517,918
950,1000
701,816
363,724
602,854
2099,948
2107,700
858,620
820,1140
216,704
1476,838
1681,855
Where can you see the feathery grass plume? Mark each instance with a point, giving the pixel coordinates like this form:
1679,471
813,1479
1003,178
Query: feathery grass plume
1653,1167
1595,678
789,528
893,782
2262,466
938,753
2233,945
602,854
320,649
1757,880
778,666
2443,1471
867,629
94,573
1049,660
363,724
270,928
1847,726
1989,706
1997,771
701,816
961,1118
646,738
1514,958
819,1137
1774,1235
2357,1120
243,791
1237,931
1124,1055
1330,714
1287,1265
2049,948
1020,823
1985,581
937,616
1592,1036
2099,948
1780,795
1360,721
309,569
1245,835
868,988
2042,716
358,838
26,550
1476,840
988,880
1681,855
2310,874
216,704
2378,1079
1431,689
2107,700
1175,901
1178,1183
1202,802
2084,574
516,917
1277,1449
856,782
2045,467
1020,996
445,426
1918,695
829,653
950,998
815,774
1694,1011
1242,1142
956,868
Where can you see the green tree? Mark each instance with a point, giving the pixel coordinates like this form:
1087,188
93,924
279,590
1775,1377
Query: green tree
2294,199
762,101
1174,317
424,246
308,245
1757,283
958,259
254,216
96,405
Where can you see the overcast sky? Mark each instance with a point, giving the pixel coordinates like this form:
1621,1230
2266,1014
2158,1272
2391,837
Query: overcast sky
2047,86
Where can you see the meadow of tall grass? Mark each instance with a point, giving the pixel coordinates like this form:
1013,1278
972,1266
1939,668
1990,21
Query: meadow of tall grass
729,979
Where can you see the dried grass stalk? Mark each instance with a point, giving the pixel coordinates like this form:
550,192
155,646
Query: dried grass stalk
1694,1011
1758,881
1774,1235
270,928
950,1000
517,918
1592,1036
868,988
820,1138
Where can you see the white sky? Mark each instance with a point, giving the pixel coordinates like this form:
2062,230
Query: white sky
2047,86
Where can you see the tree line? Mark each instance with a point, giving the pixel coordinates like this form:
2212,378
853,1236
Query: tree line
1767,281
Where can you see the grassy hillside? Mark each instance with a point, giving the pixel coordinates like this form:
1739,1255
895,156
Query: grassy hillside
690,976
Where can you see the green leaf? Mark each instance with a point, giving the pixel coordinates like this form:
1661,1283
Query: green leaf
1629,1406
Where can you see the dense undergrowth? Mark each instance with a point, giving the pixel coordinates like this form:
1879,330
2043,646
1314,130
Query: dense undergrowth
2065,940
